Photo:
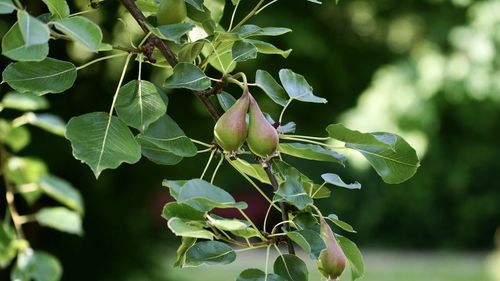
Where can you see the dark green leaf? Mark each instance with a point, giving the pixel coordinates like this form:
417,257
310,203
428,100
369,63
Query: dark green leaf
306,220
36,265
253,274
14,47
225,100
174,32
341,133
6,7
102,141
82,30
184,229
337,181
174,186
266,82
158,155
268,48
47,76
286,171
58,8
297,87
209,252
33,30
309,240
311,152
354,257
61,219
139,104
243,50
291,267
182,211
189,76
24,101
62,191
343,225
186,243
292,192
198,4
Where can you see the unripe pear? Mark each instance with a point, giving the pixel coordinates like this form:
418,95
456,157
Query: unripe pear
230,131
332,260
262,137
171,11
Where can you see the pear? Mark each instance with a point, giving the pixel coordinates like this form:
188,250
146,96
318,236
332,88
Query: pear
230,131
262,137
171,12
332,260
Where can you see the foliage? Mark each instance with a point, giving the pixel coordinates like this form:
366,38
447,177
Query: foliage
190,51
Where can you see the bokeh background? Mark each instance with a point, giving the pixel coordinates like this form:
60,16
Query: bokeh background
428,70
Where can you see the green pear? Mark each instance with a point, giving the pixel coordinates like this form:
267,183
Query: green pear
171,11
262,137
230,131
332,260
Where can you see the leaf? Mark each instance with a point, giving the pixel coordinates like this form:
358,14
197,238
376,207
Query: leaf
253,274
315,1
62,191
190,51
343,134
393,165
297,87
254,170
306,220
198,4
216,8
48,122
291,268
337,181
209,252
243,50
222,58
343,225
61,219
24,170
58,8
249,30
292,191
158,155
354,257
268,48
147,6
14,47
36,265
82,30
227,224
16,138
8,244
33,30
186,243
309,240
139,104
102,141
273,90
311,152
6,7
225,100
181,228
47,76
174,32
24,101
164,137
182,211
247,233
189,76
204,196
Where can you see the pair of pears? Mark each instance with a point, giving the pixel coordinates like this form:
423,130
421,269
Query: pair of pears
231,130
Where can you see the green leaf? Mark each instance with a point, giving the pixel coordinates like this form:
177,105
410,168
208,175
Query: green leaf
225,100
6,7
189,76
209,252
139,104
24,101
174,32
273,90
343,134
311,152
181,228
297,87
61,219
268,48
254,170
306,220
8,244
354,257
243,50
47,76
58,8
82,30
33,30
204,196
190,51
216,8
337,181
174,187
147,6
292,191
186,243
291,267
102,141
36,265
393,165
198,4
16,138
342,224
24,170
249,30
227,224
247,233
163,138
253,274
309,240
48,122
286,171
182,211
62,191
14,47
222,58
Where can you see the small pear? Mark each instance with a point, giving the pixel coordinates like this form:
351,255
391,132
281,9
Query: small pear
332,260
171,12
262,137
230,131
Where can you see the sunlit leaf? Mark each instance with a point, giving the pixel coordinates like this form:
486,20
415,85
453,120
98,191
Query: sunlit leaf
268,48
254,170
227,224
61,219
24,170
337,181
186,243
297,87
198,4
48,122
58,8
189,76
209,252
16,138
6,7
36,265
82,30
14,47
182,228
24,101
291,268
62,191
341,133
33,30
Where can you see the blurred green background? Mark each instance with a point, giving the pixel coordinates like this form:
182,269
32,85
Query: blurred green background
428,70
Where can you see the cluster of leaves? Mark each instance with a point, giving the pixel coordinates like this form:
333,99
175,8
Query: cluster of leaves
141,127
